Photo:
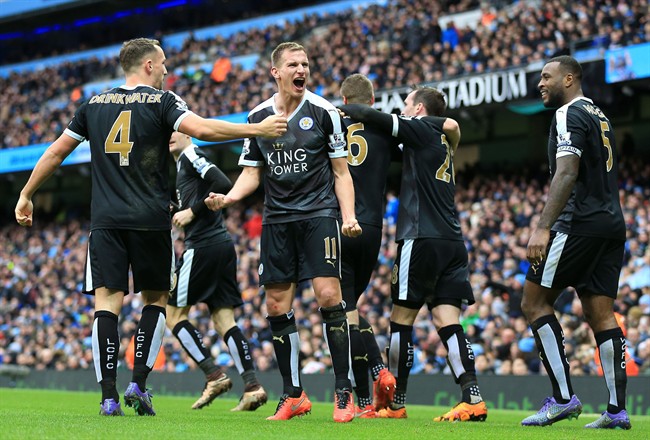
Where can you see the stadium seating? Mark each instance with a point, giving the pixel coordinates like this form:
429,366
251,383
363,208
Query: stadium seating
396,43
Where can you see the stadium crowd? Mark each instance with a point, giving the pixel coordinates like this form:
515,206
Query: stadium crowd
398,44
45,320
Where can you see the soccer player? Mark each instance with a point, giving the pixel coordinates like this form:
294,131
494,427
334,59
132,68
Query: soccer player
578,241
369,155
207,272
307,184
431,266
128,128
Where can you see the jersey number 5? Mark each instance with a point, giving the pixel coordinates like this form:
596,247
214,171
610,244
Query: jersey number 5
604,126
117,140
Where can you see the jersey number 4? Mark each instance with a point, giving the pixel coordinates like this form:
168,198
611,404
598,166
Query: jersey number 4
118,139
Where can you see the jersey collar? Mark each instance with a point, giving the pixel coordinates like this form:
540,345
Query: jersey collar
302,102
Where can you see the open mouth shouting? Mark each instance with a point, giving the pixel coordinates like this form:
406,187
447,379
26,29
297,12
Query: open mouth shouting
299,83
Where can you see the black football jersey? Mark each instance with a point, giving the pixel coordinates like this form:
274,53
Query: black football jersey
128,129
369,155
207,228
298,178
593,209
426,202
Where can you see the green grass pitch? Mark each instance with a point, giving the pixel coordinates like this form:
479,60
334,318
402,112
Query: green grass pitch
45,414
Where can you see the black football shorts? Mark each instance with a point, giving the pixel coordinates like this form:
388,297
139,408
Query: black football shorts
359,259
113,252
431,271
300,250
589,264
207,274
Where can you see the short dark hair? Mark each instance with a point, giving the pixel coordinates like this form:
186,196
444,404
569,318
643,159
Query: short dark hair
357,89
281,48
432,99
133,51
568,65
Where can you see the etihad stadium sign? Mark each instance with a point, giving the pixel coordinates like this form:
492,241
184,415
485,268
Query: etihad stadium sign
468,91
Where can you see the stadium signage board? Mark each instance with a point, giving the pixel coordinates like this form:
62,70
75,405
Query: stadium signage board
467,91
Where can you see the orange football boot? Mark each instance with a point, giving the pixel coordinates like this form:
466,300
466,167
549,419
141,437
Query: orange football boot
465,412
290,407
392,412
365,413
343,406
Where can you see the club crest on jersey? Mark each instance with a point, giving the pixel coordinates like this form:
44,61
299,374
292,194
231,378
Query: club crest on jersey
306,123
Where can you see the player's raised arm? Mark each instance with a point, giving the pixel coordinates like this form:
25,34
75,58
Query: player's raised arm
368,115
215,130
452,132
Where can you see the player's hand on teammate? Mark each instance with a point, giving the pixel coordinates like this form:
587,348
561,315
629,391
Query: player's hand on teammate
24,210
215,201
351,228
536,250
183,218
273,126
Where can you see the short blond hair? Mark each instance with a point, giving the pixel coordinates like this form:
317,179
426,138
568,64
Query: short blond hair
357,89
133,51
291,46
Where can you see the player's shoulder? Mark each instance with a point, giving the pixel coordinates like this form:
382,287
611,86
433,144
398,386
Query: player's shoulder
580,107
440,121
319,101
192,153
262,109
422,122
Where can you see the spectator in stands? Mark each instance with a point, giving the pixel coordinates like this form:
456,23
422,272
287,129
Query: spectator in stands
546,29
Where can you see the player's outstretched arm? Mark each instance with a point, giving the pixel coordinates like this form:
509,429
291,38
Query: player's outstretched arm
368,115
49,162
215,130
247,182
219,184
